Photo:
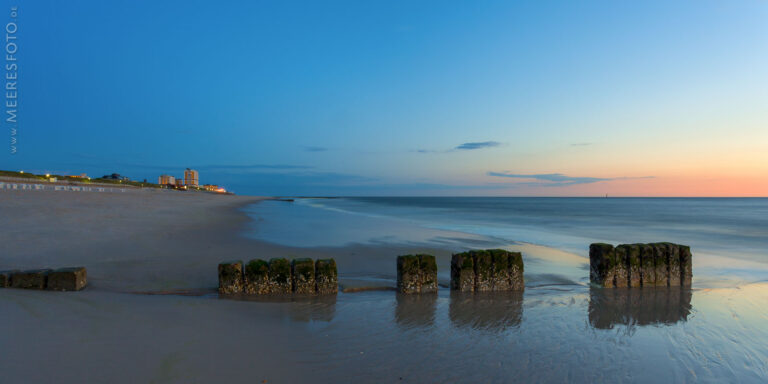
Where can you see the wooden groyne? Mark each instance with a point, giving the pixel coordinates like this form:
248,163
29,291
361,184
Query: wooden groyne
63,279
279,276
640,265
487,270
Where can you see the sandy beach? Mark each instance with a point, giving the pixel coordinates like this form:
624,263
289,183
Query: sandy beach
151,312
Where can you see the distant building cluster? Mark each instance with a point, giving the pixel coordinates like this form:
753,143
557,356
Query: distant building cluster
191,179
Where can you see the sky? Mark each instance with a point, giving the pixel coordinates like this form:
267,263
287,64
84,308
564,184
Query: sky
497,98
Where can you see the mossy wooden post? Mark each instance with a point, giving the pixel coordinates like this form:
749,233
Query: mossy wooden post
428,273
634,266
674,273
500,278
279,276
231,277
686,265
326,276
483,271
32,279
602,265
5,278
462,272
647,265
661,257
303,276
257,277
622,269
408,274
67,279
516,270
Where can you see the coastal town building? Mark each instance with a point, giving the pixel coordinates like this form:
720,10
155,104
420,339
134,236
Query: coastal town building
191,178
166,180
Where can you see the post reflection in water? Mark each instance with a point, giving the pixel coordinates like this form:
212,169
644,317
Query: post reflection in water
415,310
317,308
638,306
495,311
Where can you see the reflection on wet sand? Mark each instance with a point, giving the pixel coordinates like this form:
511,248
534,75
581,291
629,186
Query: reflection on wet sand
633,306
299,308
494,311
415,310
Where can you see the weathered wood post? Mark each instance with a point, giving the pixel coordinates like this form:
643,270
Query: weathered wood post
303,276
686,265
602,265
67,279
640,265
231,277
416,274
31,279
487,270
257,277
462,272
279,276
326,276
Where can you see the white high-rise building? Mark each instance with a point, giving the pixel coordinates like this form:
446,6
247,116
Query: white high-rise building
191,178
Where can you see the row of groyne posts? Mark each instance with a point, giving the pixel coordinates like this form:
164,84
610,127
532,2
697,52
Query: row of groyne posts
626,265
481,270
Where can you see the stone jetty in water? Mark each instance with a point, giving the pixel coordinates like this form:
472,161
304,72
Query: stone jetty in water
416,274
487,270
63,279
640,265
279,276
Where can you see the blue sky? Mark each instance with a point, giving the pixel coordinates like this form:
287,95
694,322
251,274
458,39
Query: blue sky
404,98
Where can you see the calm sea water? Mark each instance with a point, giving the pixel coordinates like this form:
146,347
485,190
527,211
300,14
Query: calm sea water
736,228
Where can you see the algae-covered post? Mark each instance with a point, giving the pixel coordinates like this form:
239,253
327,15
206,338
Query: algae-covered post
487,270
640,265
686,265
428,273
673,255
279,275
483,271
633,264
303,275
326,276
500,278
462,272
647,266
621,269
67,279
33,279
408,276
516,271
257,277
231,277
661,256
602,265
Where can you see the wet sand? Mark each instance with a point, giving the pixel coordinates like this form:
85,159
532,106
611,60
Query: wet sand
140,246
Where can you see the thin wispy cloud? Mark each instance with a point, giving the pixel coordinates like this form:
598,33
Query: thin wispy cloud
315,149
559,179
580,144
471,146
477,145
